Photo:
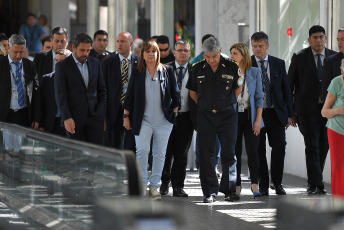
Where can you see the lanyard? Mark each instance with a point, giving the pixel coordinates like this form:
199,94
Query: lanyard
243,86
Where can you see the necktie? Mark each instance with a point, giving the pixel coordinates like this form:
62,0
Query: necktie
124,66
266,83
319,64
19,84
180,76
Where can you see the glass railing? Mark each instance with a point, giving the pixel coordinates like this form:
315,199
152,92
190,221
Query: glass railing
54,181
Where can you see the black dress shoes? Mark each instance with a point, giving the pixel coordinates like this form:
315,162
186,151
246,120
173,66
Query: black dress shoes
317,191
280,190
232,196
179,192
164,189
209,199
264,191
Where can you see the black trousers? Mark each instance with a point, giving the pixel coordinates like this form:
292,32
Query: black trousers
225,125
20,117
251,143
314,134
92,131
177,150
275,131
58,129
119,137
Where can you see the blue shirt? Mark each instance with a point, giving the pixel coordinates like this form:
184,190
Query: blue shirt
153,113
83,69
14,91
32,36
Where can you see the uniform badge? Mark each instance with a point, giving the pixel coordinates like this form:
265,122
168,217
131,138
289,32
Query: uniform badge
240,81
239,72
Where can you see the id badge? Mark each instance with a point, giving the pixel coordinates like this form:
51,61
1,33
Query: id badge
15,93
241,108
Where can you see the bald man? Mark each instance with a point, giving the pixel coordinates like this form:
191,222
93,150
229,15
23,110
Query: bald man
117,70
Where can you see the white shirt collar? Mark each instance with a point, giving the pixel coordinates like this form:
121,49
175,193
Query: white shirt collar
10,60
315,53
177,65
128,58
265,59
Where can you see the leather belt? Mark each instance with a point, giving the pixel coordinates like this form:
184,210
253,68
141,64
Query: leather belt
17,110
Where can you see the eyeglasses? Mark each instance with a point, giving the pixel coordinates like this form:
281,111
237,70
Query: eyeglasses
185,51
164,49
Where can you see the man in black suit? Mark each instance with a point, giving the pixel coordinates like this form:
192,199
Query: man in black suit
304,78
45,61
100,42
277,113
181,135
19,92
113,68
80,92
164,46
51,117
332,65
47,44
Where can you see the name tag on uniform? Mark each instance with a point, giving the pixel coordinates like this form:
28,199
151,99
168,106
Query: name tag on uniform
227,76
15,93
200,76
241,108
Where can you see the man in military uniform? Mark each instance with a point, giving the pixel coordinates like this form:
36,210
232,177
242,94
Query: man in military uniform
214,85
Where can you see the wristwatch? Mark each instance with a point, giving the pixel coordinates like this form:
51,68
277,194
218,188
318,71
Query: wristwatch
125,115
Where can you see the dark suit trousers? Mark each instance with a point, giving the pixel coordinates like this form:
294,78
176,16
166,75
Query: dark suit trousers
119,137
177,150
224,124
92,131
58,129
20,117
251,144
275,131
314,133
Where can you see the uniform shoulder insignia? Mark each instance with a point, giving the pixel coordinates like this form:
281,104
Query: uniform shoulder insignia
198,62
231,60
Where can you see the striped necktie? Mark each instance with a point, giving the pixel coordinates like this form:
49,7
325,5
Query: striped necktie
19,83
124,66
266,83
180,77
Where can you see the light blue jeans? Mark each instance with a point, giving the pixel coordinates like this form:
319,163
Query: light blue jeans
161,134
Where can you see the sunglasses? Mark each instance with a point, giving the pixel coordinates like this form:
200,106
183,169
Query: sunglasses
164,49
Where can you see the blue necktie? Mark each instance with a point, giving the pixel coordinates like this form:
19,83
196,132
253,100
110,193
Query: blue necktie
266,83
19,84
180,77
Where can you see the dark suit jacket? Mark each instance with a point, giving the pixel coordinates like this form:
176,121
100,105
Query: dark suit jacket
44,63
280,91
49,107
31,87
94,53
113,80
192,104
73,98
136,94
331,69
304,81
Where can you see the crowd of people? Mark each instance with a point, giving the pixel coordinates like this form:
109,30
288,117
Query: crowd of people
152,103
